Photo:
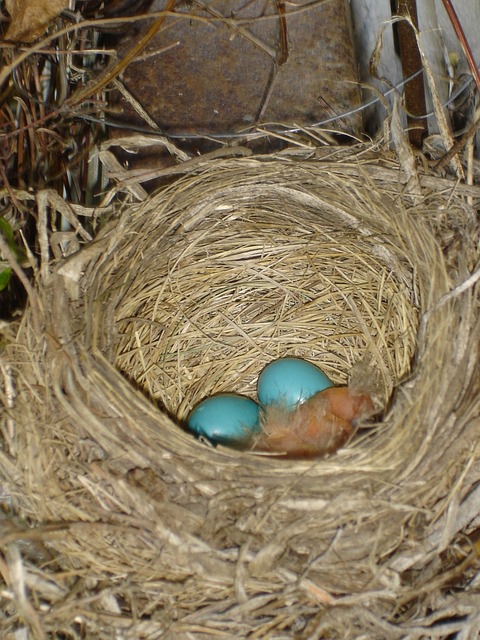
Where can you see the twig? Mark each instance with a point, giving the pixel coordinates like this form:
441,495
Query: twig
452,14
458,146
115,70
280,59
242,31
411,61
282,54
468,135
32,296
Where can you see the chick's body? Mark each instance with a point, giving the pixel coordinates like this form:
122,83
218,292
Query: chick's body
319,426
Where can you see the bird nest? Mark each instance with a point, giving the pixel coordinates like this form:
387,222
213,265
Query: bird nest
131,528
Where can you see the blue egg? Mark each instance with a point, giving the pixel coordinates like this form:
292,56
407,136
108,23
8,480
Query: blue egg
290,381
226,418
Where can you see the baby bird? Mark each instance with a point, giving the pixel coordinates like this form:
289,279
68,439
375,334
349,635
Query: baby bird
319,426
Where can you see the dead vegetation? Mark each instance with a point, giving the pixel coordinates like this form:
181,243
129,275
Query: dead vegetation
115,522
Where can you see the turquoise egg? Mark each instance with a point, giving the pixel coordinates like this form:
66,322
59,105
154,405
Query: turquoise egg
290,381
226,418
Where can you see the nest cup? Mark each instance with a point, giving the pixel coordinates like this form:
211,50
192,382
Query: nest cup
237,275
193,292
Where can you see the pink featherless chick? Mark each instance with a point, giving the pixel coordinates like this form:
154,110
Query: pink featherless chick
319,426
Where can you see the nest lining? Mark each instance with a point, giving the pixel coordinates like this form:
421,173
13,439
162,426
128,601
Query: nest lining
241,288
159,528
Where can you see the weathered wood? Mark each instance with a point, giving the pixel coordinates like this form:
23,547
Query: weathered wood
369,18
437,40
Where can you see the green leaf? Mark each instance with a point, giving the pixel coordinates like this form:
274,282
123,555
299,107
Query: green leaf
6,230
5,277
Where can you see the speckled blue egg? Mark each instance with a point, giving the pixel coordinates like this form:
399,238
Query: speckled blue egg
290,381
226,418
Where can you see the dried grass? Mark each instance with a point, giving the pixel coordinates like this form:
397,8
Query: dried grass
132,529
